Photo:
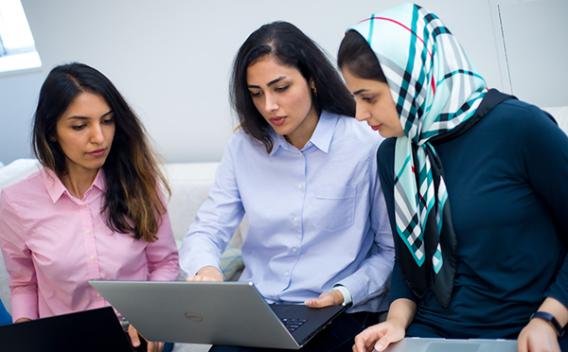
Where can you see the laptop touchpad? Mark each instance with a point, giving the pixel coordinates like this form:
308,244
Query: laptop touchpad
453,346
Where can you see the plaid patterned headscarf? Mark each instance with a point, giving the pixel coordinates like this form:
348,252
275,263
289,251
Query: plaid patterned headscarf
435,90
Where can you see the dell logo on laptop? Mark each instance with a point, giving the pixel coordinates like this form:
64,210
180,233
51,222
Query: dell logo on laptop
193,317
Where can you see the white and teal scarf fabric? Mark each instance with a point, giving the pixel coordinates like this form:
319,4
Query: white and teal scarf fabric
435,90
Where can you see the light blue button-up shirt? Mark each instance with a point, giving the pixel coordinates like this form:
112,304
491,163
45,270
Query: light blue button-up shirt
317,216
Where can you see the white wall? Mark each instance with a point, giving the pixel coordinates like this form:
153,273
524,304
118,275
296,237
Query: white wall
172,58
536,45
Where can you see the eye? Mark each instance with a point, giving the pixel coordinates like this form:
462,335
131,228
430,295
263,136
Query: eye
255,93
282,88
108,121
369,99
78,127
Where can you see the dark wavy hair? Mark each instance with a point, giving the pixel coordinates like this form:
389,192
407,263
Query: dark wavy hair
291,47
133,201
356,55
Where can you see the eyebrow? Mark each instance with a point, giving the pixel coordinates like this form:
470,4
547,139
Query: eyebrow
357,92
274,81
78,117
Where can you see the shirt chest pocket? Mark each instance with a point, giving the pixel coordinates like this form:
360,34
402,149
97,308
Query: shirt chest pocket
333,207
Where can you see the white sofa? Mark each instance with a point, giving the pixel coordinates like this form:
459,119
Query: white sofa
190,183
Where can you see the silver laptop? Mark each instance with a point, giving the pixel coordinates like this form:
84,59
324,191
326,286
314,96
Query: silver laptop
415,344
220,313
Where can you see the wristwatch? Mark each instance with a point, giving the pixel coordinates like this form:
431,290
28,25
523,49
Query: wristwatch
550,319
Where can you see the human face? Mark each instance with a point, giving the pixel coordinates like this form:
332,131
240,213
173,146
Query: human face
374,104
282,96
85,132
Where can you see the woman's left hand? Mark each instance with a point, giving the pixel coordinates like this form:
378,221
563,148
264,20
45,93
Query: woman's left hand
538,336
135,341
329,298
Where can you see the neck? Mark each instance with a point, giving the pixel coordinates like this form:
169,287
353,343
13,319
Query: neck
304,132
78,182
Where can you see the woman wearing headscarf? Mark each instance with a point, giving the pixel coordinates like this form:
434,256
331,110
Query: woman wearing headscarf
475,186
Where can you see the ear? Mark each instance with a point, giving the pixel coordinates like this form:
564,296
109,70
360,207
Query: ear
313,87
312,84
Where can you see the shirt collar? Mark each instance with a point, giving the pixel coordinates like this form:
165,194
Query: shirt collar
321,138
56,188
324,131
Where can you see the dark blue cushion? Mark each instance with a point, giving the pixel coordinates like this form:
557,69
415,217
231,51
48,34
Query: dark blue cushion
5,317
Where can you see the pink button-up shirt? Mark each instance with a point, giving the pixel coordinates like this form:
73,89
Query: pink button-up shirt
53,243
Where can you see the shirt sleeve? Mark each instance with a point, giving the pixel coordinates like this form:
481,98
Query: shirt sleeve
546,161
216,220
18,260
162,254
372,277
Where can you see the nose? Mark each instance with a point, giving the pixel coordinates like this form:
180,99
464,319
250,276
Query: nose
361,114
97,135
270,103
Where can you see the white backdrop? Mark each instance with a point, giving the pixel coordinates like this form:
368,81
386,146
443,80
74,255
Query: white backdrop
172,58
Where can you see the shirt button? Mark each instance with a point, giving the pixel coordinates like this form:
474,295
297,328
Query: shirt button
300,186
287,273
294,249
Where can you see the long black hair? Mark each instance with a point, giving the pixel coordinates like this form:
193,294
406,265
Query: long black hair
132,199
356,55
291,47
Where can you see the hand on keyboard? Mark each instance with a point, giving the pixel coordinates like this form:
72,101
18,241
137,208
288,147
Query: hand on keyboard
329,298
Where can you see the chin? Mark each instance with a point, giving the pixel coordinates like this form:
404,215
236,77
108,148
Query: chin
281,131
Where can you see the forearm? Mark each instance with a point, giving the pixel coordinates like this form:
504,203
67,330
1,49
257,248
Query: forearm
165,270
557,309
24,302
401,312
198,251
372,278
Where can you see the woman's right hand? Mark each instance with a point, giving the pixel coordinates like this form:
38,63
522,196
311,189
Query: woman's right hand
135,341
207,273
379,336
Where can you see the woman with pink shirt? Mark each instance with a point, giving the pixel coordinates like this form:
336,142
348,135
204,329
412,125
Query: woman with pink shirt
94,211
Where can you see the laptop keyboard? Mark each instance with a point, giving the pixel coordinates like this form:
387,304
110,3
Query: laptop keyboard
293,324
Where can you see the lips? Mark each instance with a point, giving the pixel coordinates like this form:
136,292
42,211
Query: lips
98,152
277,121
376,127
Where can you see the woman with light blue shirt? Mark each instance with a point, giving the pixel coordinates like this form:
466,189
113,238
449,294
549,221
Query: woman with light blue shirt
304,173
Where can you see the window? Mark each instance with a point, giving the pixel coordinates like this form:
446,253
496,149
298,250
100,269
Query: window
17,48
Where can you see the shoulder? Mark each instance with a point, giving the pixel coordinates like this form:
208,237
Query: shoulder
241,141
521,123
349,127
519,115
23,194
26,187
356,137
